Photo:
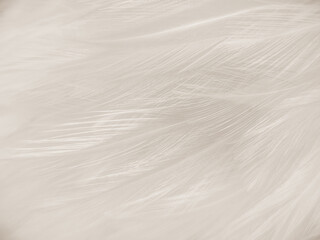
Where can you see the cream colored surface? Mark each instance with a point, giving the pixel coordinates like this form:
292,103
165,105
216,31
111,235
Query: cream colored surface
159,120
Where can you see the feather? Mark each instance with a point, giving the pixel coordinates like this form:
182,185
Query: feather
159,119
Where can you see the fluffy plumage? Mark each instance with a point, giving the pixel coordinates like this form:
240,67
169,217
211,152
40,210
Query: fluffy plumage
155,119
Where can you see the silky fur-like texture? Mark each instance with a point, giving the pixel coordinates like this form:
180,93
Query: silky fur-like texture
159,120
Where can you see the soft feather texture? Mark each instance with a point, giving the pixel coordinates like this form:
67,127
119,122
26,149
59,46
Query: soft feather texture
158,119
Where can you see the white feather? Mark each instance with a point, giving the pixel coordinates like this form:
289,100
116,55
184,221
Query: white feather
158,119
